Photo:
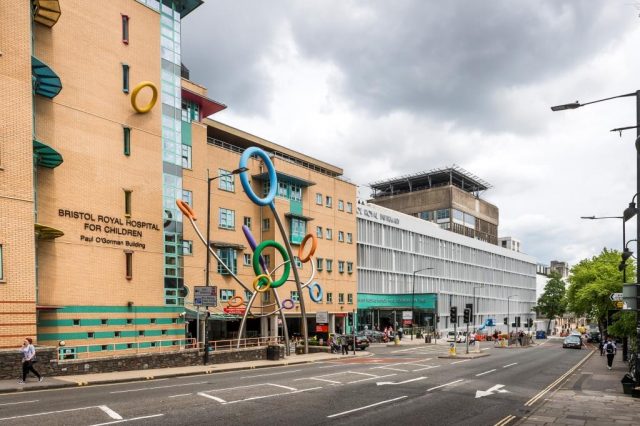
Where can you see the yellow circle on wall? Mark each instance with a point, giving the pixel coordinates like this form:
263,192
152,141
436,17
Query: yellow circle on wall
152,102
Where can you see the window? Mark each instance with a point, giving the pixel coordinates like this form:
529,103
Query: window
349,237
267,260
350,267
125,29
128,256
283,190
76,322
152,321
318,198
296,259
229,257
1,265
125,78
329,201
298,230
103,321
319,231
246,259
126,140
117,334
226,180
350,298
349,207
341,205
129,321
266,224
187,197
187,247
442,214
227,218
295,192
341,266
329,265
226,294
127,203
295,296
140,332
186,157
248,295
329,233
319,264
329,297
341,236
341,298
91,335
247,221
265,297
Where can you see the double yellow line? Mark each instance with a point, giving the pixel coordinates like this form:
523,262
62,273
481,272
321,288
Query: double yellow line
560,379
506,420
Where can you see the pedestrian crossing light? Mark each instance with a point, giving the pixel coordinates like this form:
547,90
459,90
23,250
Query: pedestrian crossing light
517,321
467,315
505,321
453,315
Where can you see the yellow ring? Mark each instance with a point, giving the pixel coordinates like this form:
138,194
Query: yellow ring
152,102
240,302
262,288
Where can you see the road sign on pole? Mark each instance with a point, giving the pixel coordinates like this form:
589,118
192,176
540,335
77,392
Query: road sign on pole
615,297
205,296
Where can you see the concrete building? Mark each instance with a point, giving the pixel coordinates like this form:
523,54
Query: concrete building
101,135
394,250
449,197
510,243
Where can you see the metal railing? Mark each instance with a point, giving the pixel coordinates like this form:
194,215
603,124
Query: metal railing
233,344
124,348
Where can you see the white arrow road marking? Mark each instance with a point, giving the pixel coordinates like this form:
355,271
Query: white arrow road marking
400,383
110,412
491,391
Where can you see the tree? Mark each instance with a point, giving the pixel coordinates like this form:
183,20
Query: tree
553,301
591,283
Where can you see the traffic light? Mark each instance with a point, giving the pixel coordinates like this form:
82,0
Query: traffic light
437,318
517,321
530,322
469,306
626,254
467,315
453,315
505,321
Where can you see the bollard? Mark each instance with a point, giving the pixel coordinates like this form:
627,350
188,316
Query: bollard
396,340
452,350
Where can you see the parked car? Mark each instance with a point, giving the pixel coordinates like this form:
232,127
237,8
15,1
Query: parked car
362,342
593,337
460,338
373,336
573,341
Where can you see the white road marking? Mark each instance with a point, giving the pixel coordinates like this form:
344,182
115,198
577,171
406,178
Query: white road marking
485,349
49,412
491,391
129,420
270,374
458,362
400,383
272,395
371,378
159,387
394,369
426,368
365,407
281,386
178,396
21,402
486,372
405,350
215,398
509,365
446,384
322,380
110,412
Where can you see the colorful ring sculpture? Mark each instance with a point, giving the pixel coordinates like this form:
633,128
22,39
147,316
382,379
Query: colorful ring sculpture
314,245
288,304
287,266
186,209
235,302
271,170
152,102
259,283
315,297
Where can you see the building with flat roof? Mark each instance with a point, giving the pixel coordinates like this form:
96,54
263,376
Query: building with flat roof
448,196
407,264
102,135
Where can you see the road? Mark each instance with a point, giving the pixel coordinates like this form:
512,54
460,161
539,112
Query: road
408,384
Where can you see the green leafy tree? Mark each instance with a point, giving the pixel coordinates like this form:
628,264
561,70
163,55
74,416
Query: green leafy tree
624,325
591,283
553,302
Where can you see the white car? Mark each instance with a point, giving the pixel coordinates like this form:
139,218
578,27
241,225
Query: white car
460,338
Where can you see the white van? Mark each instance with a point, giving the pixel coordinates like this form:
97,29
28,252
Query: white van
451,337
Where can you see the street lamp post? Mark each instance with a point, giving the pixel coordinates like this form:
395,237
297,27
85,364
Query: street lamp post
509,317
413,296
577,104
475,307
209,180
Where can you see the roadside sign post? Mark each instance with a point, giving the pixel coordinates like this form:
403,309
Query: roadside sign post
205,296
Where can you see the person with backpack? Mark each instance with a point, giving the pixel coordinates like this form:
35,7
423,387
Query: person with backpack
610,349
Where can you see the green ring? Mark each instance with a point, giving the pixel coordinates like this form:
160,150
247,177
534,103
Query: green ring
287,266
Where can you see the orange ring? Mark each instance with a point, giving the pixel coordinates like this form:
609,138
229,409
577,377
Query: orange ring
235,304
262,288
186,209
314,245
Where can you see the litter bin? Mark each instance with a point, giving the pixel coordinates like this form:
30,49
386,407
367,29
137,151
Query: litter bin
273,353
628,384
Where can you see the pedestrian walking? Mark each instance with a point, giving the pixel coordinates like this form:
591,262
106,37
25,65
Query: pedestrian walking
601,347
28,352
344,345
610,349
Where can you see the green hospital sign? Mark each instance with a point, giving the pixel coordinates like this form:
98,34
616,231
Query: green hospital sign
421,301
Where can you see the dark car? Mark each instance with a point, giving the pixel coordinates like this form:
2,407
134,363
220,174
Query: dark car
362,342
593,337
573,341
372,335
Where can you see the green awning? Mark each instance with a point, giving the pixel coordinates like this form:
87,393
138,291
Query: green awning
45,82
45,155
45,232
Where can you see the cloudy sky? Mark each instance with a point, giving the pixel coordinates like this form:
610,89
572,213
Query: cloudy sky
386,88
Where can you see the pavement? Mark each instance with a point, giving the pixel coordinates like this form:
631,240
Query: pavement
591,395
8,386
